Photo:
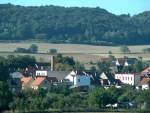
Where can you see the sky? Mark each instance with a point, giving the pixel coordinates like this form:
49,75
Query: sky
117,7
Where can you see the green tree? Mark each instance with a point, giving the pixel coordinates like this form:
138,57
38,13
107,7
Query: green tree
5,95
103,66
124,49
138,66
33,48
98,98
53,51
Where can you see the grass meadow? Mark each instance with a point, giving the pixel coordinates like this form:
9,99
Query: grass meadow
80,52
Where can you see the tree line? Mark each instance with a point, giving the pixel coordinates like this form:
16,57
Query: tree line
72,25
61,98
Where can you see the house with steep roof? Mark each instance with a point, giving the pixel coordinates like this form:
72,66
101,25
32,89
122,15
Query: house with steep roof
145,83
124,61
52,76
26,82
40,82
145,73
79,78
108,80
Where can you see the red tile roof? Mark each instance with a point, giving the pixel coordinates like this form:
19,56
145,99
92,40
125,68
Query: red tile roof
145,71
144,81
38,81
26,80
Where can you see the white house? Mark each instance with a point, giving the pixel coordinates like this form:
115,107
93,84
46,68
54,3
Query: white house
41,72
79,78
128,78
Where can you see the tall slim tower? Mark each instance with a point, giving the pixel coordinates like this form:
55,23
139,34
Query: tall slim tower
52,63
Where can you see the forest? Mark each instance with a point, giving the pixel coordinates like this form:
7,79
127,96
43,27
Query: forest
72,25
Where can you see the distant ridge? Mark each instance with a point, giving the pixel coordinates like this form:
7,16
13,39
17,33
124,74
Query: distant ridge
73,25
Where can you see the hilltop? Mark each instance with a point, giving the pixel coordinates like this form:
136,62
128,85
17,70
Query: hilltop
73,25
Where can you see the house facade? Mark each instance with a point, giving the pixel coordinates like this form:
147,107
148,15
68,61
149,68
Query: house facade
106,79
145,83
41,72
128,78
78,78
145,73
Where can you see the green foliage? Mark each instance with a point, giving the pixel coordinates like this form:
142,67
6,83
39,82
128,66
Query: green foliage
124,49
138,66
62,98
53,51
4,69
79,66
5,95
146,50
32,49
72,25
22,50
104,66
65,63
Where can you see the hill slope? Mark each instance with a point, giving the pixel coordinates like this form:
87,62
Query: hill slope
72,25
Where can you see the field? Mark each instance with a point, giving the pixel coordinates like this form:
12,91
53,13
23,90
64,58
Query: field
82,53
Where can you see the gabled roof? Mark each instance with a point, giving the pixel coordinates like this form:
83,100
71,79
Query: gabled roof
81,73
107,76
60,75
145,80
38,81
26,80
124,61
145,71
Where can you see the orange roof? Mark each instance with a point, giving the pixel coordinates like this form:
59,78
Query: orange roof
38,81
144,81
25,80
145,71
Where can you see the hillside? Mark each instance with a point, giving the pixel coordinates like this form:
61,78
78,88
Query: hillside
72,25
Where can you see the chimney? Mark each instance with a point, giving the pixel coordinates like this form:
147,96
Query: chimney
52,63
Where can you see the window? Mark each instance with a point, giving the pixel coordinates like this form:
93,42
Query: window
78,80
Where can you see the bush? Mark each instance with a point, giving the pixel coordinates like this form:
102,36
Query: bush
53,51
22,50
32,49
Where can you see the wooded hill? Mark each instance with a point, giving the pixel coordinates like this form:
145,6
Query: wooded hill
73,25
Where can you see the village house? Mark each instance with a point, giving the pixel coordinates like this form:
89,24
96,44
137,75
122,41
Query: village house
108,80
40,82
26,82
79,78
145,73
53,76
124,61
128,78
145,83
